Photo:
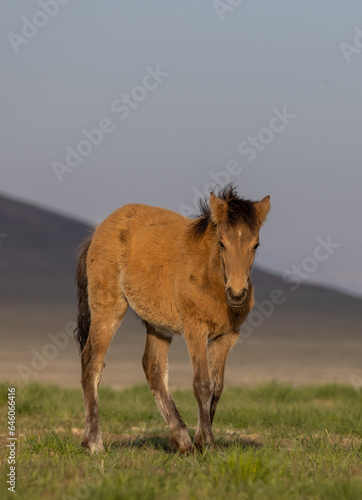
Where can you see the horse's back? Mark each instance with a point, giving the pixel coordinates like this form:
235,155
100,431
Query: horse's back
137,222
143,248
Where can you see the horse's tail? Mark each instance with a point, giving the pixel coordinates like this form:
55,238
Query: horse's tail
81,333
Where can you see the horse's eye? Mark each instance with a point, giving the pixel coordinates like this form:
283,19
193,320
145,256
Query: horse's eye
221,244
256,246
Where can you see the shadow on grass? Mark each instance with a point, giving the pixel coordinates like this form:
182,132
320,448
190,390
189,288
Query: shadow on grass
244,443
156,443
150,443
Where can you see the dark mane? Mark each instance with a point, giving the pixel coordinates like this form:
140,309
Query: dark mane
239,209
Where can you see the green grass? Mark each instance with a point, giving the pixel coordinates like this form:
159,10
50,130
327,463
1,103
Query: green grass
273,442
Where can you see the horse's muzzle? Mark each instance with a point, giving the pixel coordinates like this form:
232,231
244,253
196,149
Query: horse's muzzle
236,299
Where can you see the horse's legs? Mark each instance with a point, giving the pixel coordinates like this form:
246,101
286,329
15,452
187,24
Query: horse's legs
154,363
218,352
105,321
203,387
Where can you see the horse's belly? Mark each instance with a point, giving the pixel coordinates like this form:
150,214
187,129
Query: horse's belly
151,296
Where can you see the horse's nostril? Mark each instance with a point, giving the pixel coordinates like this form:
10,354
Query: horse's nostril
241,295
238,296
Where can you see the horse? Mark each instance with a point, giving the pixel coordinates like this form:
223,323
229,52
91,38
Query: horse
180,276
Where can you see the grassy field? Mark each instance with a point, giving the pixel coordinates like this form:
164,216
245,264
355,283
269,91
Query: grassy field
273,442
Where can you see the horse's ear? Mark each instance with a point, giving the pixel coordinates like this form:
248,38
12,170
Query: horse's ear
262,208
219,209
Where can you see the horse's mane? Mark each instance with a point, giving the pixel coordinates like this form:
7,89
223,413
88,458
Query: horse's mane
239,210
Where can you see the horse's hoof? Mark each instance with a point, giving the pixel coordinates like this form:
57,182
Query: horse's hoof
184,446
202,444
186,450
93,446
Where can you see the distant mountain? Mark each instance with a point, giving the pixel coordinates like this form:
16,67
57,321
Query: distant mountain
308,299
38,260
38,256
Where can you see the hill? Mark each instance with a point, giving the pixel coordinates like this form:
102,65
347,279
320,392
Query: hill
38,260
38,255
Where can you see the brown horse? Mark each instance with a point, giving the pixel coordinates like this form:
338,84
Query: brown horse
179,275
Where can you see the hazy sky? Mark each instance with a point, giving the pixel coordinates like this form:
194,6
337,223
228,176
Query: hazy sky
181,89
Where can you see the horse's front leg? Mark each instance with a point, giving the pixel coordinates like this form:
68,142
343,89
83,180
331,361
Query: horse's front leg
203,386
155,366
218,353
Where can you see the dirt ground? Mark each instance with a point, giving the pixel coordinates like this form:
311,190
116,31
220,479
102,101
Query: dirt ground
287,348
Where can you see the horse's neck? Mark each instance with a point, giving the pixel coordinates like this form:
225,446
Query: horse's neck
212,264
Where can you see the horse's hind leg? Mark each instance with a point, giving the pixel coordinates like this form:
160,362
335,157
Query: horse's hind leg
104,323
154,363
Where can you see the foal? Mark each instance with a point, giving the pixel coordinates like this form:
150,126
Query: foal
179,275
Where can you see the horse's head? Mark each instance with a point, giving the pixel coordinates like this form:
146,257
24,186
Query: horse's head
238,222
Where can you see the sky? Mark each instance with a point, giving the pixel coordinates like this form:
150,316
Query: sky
108,103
